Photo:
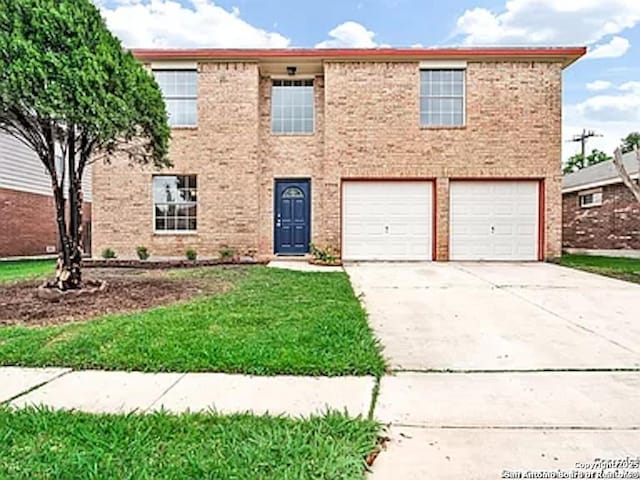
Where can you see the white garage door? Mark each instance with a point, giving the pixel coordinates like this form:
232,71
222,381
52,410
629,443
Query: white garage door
387,220
494,220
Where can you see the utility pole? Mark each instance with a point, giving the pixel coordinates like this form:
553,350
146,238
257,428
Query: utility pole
583,137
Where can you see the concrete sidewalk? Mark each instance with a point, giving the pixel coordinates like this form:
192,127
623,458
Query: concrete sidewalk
491,425
125,392
441,425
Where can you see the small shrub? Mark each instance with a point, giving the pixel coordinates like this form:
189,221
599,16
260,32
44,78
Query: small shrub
108,253
191,254
323,255
143,252
226,253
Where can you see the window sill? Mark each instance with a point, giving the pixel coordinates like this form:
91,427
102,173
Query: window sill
183,127
293,134
170,233
593,205
443,127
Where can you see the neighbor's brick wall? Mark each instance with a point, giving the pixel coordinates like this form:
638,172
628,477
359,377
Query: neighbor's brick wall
613,225
29,223
372,129
367,125
222,151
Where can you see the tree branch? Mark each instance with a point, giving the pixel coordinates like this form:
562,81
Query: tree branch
634,187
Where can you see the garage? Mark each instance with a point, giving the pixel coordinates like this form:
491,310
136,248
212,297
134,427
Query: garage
494,220
387,220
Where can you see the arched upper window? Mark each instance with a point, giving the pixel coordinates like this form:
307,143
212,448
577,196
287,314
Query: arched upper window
292,192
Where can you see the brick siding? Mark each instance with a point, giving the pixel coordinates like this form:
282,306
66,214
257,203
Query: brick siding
613,225
367,125
29,224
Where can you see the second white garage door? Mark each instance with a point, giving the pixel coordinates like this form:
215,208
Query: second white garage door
494,220
387,220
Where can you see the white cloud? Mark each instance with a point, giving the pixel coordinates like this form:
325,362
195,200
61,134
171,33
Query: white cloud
553,22
167,23
616,47
613,115
349,35
630,87
599,85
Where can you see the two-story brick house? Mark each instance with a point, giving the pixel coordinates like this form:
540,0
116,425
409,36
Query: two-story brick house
381,154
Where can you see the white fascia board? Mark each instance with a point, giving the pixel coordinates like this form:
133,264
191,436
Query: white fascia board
174,65
437,64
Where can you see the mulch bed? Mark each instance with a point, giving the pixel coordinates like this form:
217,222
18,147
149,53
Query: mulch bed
128,290
163,264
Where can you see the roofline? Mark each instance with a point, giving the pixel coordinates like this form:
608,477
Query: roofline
596,184
567,55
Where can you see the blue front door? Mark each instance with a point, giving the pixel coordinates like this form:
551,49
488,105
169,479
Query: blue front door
292,212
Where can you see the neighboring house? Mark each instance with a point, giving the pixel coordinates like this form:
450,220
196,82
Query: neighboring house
379,154
27,208
599,212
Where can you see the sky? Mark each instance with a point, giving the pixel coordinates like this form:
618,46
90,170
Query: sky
601,92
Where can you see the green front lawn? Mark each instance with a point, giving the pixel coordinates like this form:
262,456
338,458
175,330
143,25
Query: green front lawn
45,445
271,322
17,270
622,268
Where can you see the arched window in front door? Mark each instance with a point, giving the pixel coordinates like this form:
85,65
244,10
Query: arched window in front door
292,192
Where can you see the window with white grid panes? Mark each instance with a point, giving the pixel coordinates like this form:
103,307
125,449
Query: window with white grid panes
442,101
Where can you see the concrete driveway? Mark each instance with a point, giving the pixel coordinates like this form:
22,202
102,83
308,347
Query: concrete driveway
488,316
502,369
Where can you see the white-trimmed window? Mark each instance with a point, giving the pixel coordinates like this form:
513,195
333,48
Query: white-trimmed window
180,92
175,203
442,97
591,198
292,107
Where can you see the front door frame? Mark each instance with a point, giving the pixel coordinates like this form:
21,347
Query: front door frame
276,198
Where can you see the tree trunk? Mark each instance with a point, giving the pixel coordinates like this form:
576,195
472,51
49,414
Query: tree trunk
68,274
75,229
63,266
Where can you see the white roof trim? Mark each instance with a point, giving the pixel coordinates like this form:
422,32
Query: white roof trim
174,65
436,64
600,183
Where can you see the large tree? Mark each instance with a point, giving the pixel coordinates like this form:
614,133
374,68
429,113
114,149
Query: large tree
630,142
71,93
579,161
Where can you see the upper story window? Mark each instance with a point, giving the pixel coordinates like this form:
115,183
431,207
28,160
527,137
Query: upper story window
175,203
592,198
180,92
442,97
292,106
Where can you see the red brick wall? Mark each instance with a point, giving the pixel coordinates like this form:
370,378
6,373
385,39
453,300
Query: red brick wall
613,225
28,223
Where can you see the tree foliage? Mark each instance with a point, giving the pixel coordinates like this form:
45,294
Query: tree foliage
631,142
579,161
69,90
